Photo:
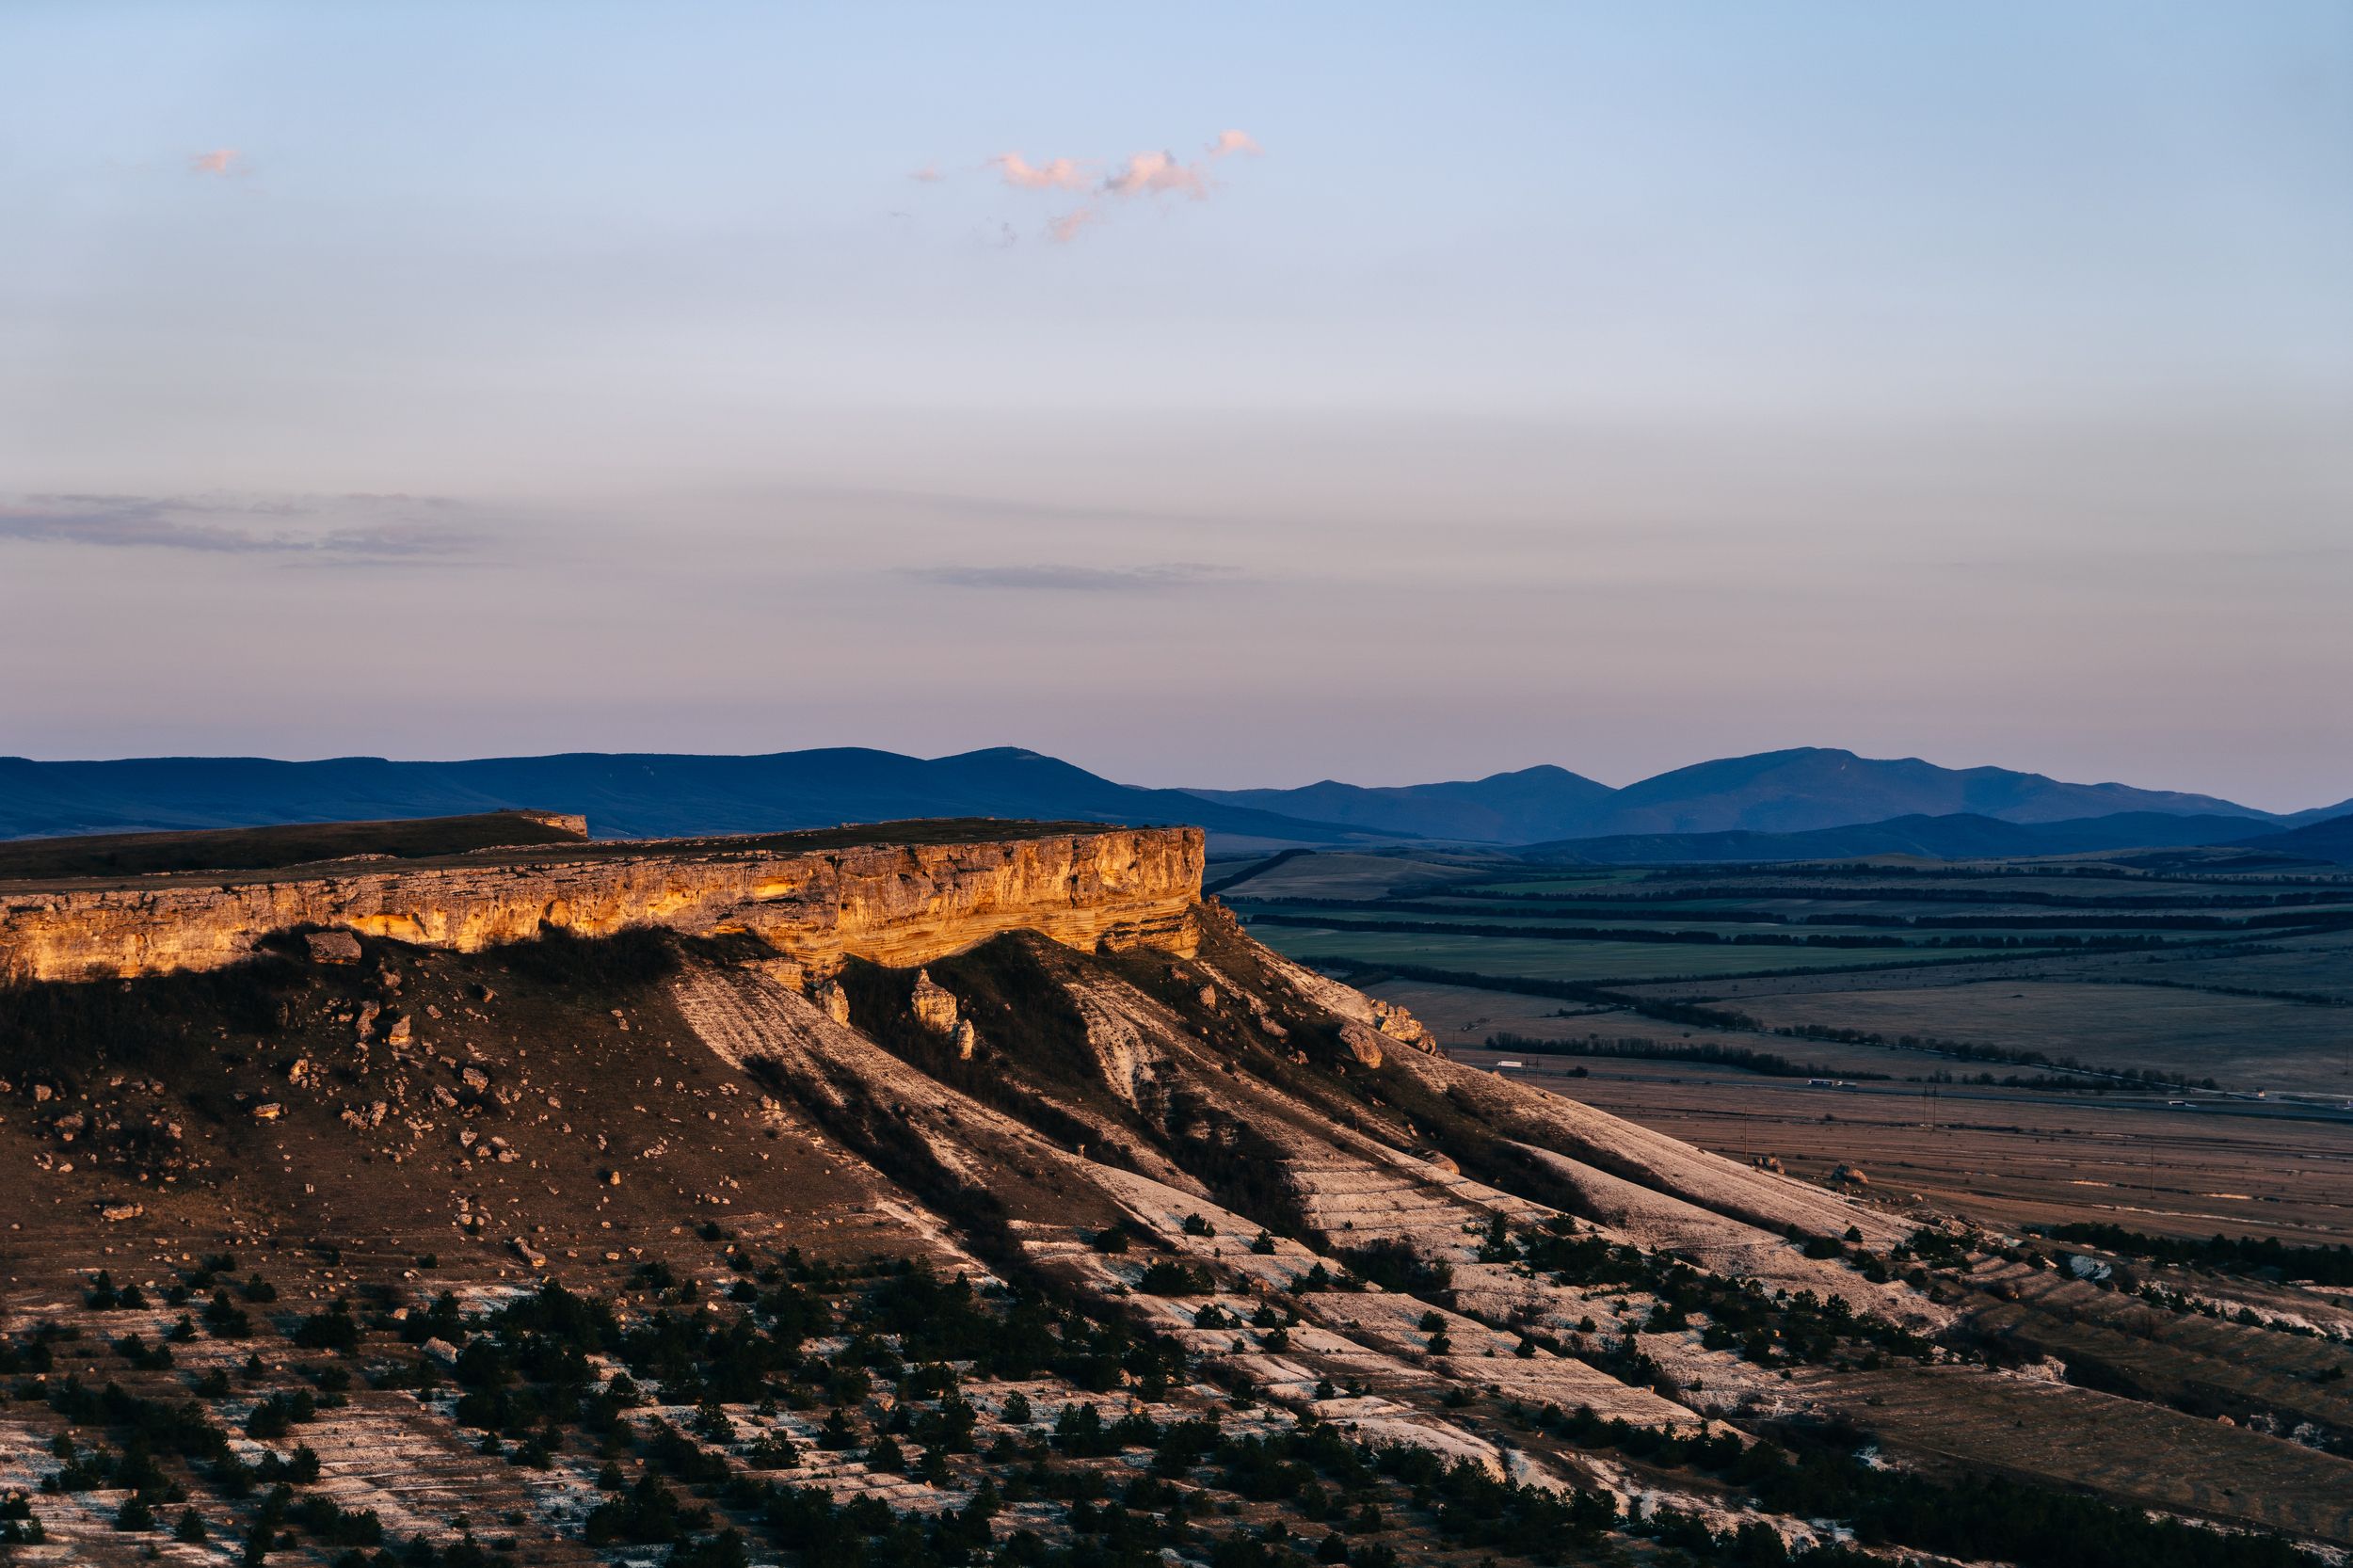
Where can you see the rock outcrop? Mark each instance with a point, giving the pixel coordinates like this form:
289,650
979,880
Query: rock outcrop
899,904
933,1005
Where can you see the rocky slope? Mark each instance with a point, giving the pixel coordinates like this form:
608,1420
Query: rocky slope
1025,1247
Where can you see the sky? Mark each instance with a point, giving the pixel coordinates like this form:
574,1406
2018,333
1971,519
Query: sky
1210,395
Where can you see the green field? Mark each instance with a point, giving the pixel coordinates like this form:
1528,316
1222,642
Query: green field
2250,1007
1729,930
2242,1042
1596,882
1581,962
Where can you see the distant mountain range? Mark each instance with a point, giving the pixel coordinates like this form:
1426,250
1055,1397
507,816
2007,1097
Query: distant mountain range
2331,838
623,795
1522,808
1773,792
1770,805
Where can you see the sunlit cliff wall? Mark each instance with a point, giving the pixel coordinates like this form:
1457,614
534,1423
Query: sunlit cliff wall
897,905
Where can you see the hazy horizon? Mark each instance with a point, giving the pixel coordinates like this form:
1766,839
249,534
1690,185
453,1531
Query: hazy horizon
1233,399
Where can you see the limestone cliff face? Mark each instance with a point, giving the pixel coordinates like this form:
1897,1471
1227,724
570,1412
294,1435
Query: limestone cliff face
895,903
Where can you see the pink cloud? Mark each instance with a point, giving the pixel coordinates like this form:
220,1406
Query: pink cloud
929,174
221,160
1066,228
1141,174
1157,174
1056,174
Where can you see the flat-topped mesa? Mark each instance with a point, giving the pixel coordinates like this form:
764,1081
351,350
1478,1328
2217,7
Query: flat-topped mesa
900,903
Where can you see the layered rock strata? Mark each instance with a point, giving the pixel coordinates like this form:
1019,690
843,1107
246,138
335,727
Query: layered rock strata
900,904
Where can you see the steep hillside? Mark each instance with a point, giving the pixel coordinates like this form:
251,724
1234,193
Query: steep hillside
661,1246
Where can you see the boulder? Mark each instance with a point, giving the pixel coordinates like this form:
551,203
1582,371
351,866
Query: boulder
933,1005
1402,1026
1363,1043
332,947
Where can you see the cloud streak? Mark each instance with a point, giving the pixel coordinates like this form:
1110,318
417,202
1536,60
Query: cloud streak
220,160
1066,578
1062,230
381,529
1140,175
1054,174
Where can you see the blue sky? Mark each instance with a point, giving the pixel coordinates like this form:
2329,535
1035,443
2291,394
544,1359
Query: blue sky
1613,386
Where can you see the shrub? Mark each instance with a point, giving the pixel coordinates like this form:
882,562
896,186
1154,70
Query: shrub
648,1513
1164,1278
334,1329
1394,1265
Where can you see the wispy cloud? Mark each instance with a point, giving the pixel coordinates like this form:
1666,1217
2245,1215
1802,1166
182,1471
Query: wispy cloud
1061,231
1157,174
1140,174
1065,578
966,504
929,174
356,529
1054,174
220,160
